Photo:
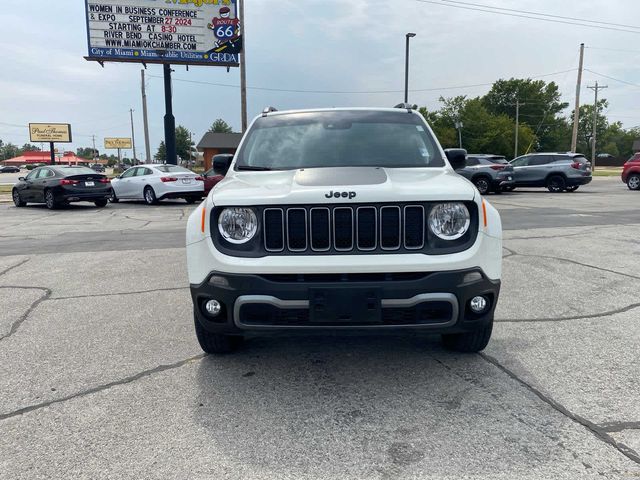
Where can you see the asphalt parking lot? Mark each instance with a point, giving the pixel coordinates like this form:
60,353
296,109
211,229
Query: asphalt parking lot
101,375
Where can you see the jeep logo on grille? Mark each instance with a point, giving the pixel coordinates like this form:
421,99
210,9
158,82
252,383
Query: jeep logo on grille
348,195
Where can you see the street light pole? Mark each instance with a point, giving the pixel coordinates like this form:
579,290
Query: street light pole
406,68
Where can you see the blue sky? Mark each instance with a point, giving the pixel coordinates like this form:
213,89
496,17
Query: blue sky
355,45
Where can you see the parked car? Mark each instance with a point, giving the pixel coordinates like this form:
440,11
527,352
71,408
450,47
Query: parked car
558,172
9,169
153,183
56,186
489,173
211,179
97,167
631,172
343,219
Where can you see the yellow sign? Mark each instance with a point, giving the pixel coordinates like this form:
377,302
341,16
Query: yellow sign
115,143
50,132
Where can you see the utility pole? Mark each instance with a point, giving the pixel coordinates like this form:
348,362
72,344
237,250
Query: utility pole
133,136
169,119
459,126
576,113
243,69
145,119
518,105
595,124
94,147
406,68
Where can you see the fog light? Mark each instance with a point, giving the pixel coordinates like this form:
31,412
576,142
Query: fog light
213,307
478,304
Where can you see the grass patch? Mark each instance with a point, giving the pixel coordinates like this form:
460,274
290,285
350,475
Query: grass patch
607,173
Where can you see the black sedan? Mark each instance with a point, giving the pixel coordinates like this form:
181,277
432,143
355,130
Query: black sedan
56,186
9,169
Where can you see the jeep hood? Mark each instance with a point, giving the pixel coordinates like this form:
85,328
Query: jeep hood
320,185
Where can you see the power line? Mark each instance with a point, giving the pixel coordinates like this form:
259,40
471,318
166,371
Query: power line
544,14
340,92
614,49
613,78
433,2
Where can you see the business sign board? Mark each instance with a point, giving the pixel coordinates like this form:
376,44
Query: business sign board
50,132
190,32
116,143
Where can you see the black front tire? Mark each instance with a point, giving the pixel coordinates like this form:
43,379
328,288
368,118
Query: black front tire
101,203
112,197
469,342
17,200
216,343
483,185
556,183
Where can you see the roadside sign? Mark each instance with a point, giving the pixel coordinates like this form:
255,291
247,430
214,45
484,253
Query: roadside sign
50,132
191,32
113,143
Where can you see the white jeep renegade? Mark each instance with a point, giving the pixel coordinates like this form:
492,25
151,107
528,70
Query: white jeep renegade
343,219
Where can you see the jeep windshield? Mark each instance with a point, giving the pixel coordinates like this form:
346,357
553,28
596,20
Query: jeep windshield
345,138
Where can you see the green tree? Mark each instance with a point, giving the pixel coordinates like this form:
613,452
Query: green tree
220,126
482,132
541,109
86,152
585,127
161,154
183,142
28,147
9,150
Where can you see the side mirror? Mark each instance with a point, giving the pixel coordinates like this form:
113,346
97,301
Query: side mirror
222,162
457,157
21,179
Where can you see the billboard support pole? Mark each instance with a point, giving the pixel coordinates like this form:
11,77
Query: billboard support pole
169,119
53,153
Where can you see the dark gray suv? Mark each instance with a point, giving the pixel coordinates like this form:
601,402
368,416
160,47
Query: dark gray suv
559,172
488,172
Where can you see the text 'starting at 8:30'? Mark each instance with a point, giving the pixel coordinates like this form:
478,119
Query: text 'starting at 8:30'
192,32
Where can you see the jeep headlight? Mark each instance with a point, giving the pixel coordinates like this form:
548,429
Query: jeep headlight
449,221
237,225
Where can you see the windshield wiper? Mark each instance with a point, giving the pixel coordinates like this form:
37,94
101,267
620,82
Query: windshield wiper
254,168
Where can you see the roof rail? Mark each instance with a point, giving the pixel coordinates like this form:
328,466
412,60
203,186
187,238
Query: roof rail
268,110
407,106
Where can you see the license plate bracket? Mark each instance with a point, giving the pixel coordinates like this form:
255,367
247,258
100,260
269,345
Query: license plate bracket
336,306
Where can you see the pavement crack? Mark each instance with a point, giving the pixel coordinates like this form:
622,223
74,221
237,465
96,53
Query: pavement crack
574,262
117,294
608,313
596,430
614,427
16,325
100,388
19,264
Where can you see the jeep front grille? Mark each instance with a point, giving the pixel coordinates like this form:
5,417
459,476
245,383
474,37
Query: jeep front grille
344,228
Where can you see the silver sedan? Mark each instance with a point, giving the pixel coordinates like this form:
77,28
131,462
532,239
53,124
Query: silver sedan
153,183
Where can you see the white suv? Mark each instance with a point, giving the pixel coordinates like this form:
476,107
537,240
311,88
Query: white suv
343,219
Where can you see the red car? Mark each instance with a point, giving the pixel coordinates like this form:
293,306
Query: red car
211,179
631,172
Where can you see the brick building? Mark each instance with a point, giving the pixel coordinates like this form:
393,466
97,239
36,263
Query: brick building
215,143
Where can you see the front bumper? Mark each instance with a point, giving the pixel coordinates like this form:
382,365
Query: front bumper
436,302
503,182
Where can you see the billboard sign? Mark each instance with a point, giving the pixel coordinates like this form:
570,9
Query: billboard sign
50,132
117,143
190,32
